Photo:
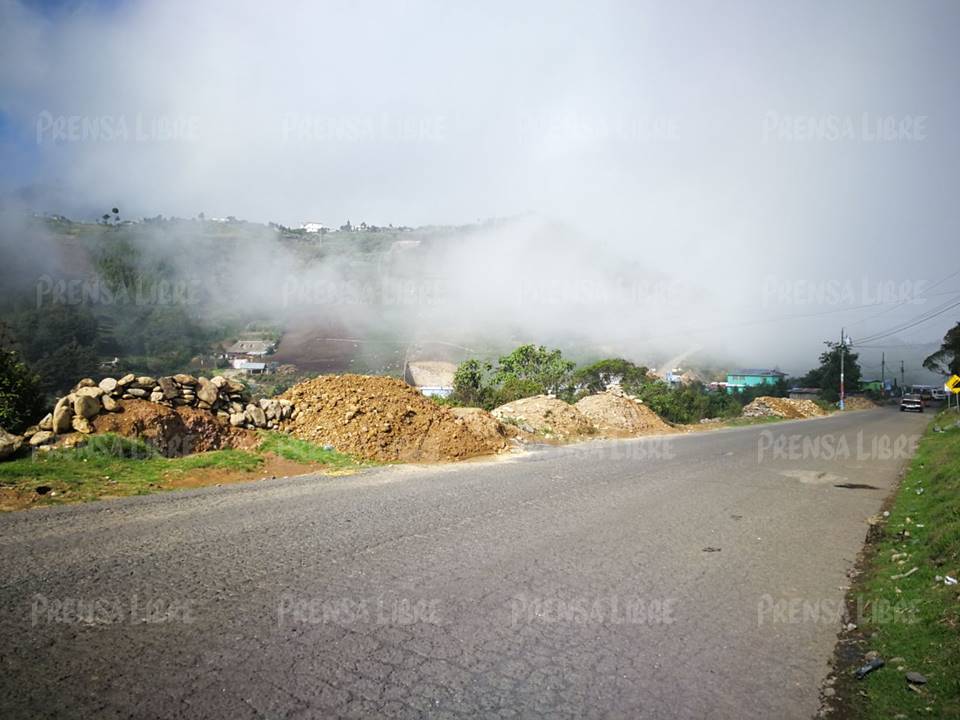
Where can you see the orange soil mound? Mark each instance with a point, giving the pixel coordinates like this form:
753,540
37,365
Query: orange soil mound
782,407
384,419
859,403
547,416
616,414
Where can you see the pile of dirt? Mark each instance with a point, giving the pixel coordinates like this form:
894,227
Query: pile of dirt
782,407
174,431
546,416
616,414
858,403
484,425
384,419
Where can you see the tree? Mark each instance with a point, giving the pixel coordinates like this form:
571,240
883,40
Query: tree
545,369
20,396
469,387
946,360
603,373
827,376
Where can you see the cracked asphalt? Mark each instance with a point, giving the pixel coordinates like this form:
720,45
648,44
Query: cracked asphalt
652,578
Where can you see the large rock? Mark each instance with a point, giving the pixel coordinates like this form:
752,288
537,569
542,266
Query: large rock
62,415
235,386
47,422
168,387
156,396
128,379
207,391
219,380
43,437
256,415
86,406
108,385
9,444
109,404
86,382
237,419
82,425
94,391
146,382
185,379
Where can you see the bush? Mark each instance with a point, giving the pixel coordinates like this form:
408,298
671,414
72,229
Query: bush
21,400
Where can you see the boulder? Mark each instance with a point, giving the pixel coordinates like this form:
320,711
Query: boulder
9,444
146,382
128,379
44,437
237,419
109,404
235,386
32,430
207,391
185,379
137,392
82,425
168,387
257,416
86,406
94,392
47,422
219,380
86,382
108,385
156,396
62,415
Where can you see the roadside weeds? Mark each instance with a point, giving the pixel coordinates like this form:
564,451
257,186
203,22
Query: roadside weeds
910,552
110,466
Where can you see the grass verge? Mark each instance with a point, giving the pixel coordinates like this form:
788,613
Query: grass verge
113,466
922,532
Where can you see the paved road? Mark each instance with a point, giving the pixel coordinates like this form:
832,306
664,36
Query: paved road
573,582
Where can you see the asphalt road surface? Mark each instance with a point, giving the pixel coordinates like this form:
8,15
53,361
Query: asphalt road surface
694,576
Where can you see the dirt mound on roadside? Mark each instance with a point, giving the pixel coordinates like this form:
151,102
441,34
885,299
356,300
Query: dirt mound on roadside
858,403
484,425
384,419
616,414
546,416
782,407
174,431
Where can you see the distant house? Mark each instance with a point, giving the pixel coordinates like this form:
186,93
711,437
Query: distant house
431,377
250,348
752,377
314,227
804,393
250,368
878,386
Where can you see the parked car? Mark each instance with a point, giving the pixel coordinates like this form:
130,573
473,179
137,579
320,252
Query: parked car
938,394
911,402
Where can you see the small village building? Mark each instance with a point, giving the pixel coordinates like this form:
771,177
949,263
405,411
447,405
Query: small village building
752,377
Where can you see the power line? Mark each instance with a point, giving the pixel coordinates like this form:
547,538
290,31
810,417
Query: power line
924,317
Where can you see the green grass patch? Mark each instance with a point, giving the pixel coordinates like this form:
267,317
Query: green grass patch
301,451
110,465
923,532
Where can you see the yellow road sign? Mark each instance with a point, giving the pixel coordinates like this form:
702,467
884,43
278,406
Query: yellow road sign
953,384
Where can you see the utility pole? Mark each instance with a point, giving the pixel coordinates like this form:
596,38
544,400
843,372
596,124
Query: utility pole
883,375
842,348
903,388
